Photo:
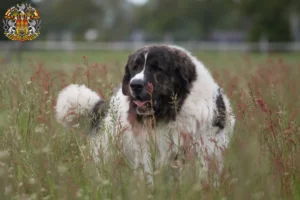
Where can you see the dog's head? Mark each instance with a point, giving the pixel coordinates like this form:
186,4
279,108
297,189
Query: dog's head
157,80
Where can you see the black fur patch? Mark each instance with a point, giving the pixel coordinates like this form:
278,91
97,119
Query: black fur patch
220,113
170,71
97,114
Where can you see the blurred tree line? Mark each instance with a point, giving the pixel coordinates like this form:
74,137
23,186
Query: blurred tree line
167,19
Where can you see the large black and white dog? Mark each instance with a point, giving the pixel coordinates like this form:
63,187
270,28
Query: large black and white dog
161,82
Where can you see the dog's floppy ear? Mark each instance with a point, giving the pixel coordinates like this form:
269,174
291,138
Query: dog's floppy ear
125,82
185,68
126,77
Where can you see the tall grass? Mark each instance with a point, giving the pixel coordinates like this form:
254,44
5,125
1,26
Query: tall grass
41,160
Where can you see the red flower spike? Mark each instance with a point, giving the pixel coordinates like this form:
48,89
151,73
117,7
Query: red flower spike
149,88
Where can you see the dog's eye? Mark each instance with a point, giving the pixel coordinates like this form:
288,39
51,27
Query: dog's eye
135,67
156,67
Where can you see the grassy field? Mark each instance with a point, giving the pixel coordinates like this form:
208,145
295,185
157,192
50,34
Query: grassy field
41,160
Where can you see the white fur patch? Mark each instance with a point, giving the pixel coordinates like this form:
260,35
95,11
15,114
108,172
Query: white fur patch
140,76
73,101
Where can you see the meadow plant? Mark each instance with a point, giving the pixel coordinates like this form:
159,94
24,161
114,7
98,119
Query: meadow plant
39,159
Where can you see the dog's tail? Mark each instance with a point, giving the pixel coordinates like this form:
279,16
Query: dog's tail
76,102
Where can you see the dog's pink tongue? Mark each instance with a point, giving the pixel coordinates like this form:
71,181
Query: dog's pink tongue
140,104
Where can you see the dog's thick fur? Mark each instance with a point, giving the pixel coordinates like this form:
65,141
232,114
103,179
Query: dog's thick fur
161,82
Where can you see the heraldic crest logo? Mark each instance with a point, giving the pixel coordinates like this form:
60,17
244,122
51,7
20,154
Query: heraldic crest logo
22,22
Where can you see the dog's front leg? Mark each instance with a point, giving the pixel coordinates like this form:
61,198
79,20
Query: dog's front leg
143,164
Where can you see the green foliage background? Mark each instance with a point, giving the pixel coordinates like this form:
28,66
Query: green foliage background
183,20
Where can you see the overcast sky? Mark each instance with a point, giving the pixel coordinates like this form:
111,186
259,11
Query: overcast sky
138,1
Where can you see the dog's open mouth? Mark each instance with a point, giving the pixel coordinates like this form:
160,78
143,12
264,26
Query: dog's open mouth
143,107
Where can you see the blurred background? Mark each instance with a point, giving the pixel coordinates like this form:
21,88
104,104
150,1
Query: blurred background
202,25
242,25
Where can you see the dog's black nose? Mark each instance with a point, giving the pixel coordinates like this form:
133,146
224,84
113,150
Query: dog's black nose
137,85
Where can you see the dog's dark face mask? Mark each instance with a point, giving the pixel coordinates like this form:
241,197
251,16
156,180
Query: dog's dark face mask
157,80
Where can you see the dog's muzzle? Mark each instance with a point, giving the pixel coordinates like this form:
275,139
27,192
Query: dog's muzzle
144,106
